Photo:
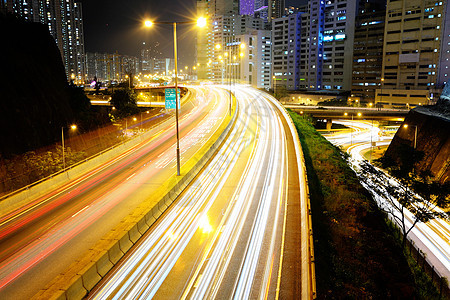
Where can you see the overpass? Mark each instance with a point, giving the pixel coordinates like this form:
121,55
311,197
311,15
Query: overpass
155,99
343,112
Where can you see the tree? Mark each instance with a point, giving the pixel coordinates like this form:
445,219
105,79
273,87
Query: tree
427,205
124,100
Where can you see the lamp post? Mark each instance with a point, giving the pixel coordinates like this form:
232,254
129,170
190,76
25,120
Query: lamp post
415,133
147,112
73,127
201,22
274,86
351,128
381,100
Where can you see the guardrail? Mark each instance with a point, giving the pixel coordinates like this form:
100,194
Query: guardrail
308,283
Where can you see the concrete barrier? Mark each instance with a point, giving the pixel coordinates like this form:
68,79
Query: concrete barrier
76,282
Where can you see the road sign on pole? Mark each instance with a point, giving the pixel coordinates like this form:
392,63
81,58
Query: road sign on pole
170,98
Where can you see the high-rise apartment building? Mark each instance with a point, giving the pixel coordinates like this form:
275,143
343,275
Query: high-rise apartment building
210,9
203,42
304,48
107,67
262,10
254,66
368,50
217,44
327,48
224,29
163,65
413,48
223,7
444,58
276,9
65,23
286,40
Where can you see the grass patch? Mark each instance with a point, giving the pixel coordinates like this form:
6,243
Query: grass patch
356,255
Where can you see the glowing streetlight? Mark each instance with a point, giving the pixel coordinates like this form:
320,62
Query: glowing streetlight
415,133
148,23
201,22
274,86
72,127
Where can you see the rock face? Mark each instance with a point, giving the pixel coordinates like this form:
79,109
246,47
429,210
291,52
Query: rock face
433,136
33,87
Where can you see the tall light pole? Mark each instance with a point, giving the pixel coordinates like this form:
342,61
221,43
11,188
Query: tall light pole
381,100
201,22
275,86
73,127
415,134
351,128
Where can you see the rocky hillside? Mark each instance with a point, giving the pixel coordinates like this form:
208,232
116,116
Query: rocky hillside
433,137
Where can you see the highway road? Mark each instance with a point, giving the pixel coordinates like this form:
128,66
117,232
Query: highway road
41,239
240,230
433,237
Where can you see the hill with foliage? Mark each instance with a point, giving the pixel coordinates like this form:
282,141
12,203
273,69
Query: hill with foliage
36,100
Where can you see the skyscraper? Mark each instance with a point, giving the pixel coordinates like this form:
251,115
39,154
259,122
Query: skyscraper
262,9
65,23
412,51
286,37
276,9
368,50
327,46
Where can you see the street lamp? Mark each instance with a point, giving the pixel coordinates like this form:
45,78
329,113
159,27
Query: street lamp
351,128
201,22
274,86
72,127
147,112
415,134
381,100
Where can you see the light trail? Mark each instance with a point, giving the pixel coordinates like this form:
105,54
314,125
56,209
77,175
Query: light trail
246,182
73,209
433,237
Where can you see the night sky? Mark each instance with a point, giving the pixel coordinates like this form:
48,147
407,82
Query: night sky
116,25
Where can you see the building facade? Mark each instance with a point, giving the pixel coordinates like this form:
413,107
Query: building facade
368,51
444,57
327,43
286,41
413,38
254,64
107,67
65,23
276,9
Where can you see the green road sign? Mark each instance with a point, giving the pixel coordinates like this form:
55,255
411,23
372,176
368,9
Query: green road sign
171,98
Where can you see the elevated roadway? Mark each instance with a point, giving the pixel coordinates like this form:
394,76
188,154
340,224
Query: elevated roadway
337,112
